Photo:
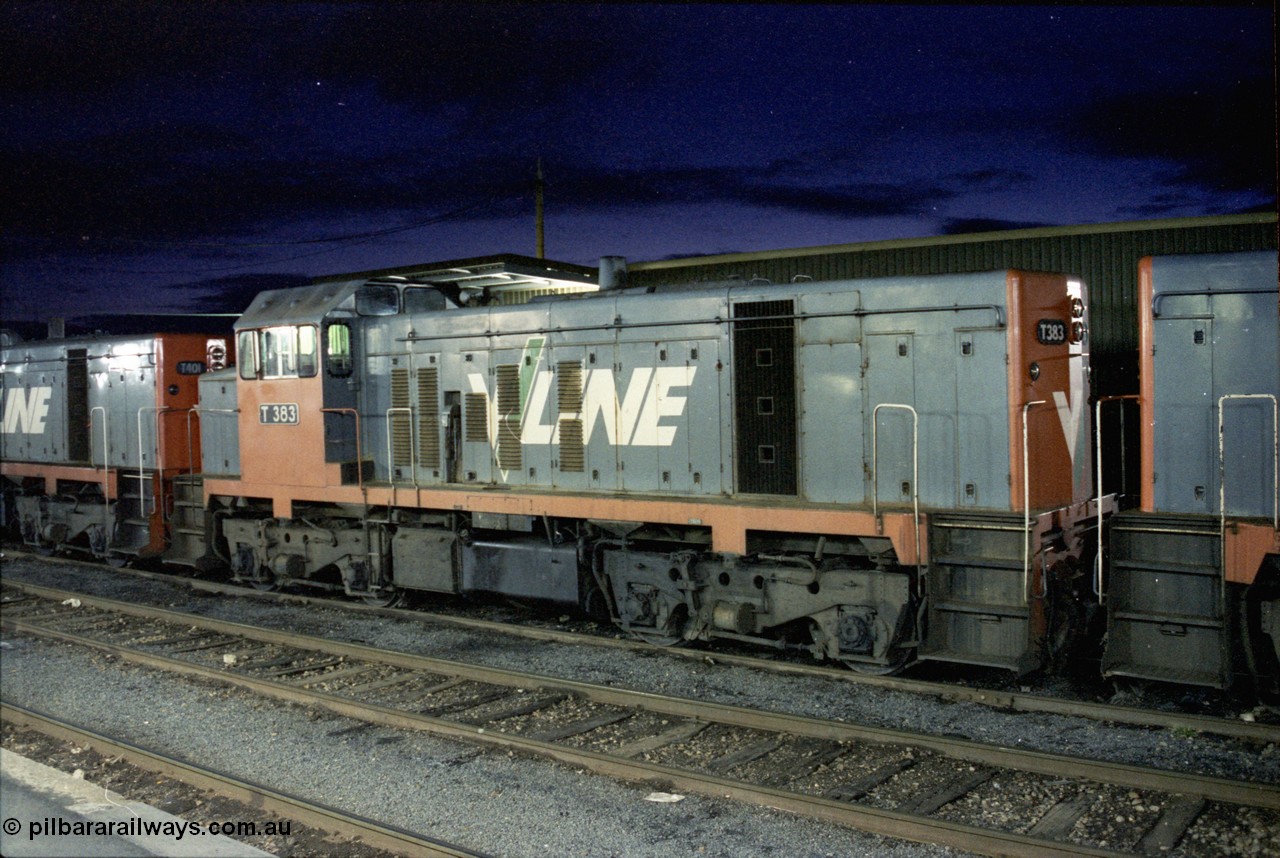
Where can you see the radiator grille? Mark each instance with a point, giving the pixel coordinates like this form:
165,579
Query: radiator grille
510,456
477,427
429,417
573,454
401,423
569,386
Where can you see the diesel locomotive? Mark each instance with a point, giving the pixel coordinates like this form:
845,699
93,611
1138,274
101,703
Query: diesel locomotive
873,471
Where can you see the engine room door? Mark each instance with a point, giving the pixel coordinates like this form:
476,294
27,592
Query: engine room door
890,380
764,372
340,388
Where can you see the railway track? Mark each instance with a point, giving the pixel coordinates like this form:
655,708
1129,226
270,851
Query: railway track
261,798
965,794
1001,699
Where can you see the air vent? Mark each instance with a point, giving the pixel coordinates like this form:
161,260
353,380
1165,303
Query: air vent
429,417
510,456
573,454
569,386
572,450
477,421
401,422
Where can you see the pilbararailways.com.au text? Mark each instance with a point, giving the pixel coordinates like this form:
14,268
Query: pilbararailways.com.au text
56,826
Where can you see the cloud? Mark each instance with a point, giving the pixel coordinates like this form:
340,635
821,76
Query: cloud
1219,138
966,225
231,294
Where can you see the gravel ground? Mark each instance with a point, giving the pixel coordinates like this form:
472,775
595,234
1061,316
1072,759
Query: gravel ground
486,800
704,680
509,805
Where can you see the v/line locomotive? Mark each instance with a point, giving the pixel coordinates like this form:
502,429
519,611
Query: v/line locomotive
873,471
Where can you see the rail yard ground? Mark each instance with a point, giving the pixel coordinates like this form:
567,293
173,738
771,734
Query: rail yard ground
511,805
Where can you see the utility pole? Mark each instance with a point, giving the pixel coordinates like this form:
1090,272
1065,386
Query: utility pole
539,227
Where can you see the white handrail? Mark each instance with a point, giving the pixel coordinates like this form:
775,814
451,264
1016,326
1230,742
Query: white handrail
413,450
158,409
915,467
106,470
1098,589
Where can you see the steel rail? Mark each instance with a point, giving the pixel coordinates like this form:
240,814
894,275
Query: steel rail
877,821
1038,762
263,798
1011,701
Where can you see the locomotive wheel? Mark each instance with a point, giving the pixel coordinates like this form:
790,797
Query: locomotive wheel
660,640
117,561
672,634
594,604
263,586
898,661
386,600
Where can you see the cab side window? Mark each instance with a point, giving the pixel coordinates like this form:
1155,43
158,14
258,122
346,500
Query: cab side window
307,348
338,349
376,299
247,353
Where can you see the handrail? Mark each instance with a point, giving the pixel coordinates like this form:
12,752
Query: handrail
1098,589
413,451
158,409
1160,296
197,410
915,467
1026,510
106,468
618,325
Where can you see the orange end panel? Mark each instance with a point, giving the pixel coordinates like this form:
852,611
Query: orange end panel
1033,297
175,453
1246,546
282,454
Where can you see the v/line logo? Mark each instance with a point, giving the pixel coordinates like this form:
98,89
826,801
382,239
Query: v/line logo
26,411
632,419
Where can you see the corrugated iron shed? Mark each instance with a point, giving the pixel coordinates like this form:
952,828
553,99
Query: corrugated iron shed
1104,255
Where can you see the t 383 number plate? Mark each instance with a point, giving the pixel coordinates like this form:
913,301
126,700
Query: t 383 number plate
278,412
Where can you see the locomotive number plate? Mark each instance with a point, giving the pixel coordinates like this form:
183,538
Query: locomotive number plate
278,412
1051,332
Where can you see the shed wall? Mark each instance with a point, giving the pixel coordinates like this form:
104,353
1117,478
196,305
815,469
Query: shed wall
1106,257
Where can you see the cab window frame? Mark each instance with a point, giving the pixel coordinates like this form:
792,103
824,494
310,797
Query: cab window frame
377,299
247,354
279,351
338,363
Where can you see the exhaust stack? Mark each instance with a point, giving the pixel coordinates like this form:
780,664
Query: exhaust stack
613,273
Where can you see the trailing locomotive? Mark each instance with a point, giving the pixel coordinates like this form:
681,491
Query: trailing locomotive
835,466
1194,573
92,434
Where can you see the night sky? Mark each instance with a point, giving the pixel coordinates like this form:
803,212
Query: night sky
174,157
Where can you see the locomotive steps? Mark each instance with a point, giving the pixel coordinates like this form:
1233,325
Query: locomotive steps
892,782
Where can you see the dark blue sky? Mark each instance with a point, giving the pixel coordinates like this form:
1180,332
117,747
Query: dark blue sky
178,156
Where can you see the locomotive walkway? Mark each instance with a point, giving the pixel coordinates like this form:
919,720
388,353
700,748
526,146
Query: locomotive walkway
896,783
